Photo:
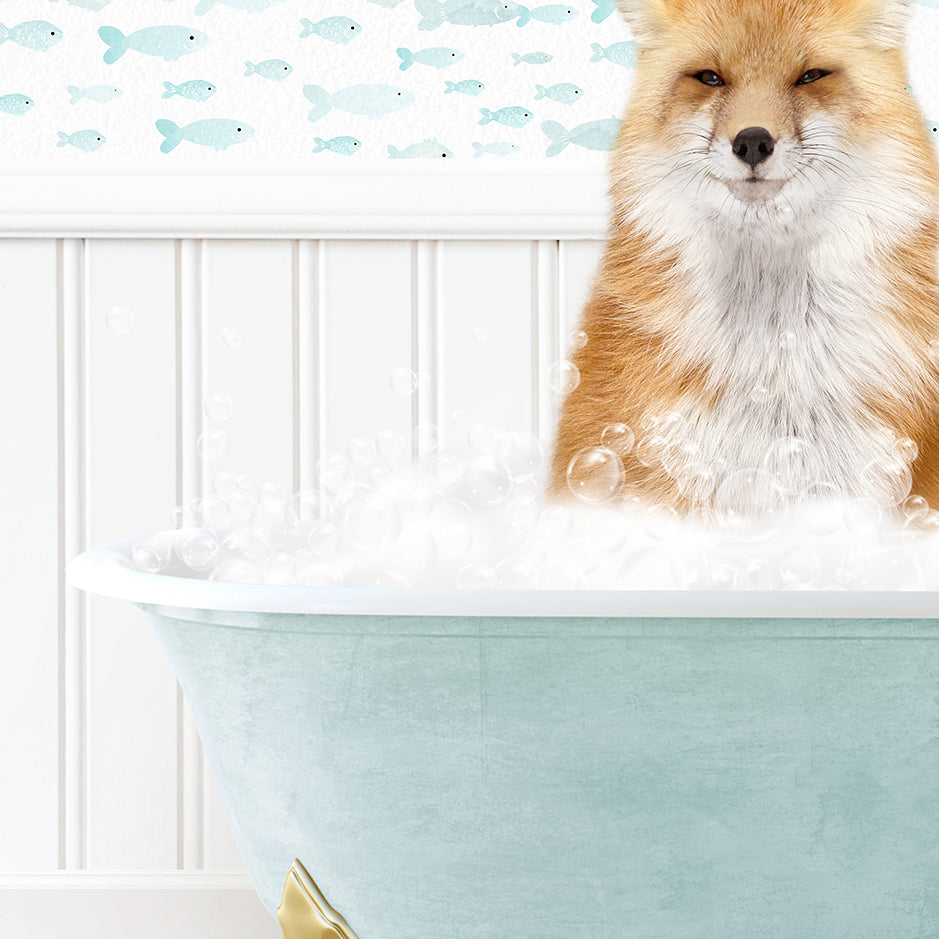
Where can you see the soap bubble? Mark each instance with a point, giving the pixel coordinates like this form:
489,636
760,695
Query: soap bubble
371,520
522,513
403,382
907,449
279,568
756,574
516,573
362,452
556,522
253,542
333,472
749,502
476,576
595,475
447,469
915,508
453,527
696,482
488,481
390,444
421,499
199,549
272,511
241,505
236,571
799,567
852,571
794,462
427,437
578,339
888,480
563,377
480,333
893,568
650,450
618,438
212,445
319,575
413,555
324,540
216,512
520,452
825,514
309,505
119,320
231,339
481,438
760,395
225,484
151,554
218,408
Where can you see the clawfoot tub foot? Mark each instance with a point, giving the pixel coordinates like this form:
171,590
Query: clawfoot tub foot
304,912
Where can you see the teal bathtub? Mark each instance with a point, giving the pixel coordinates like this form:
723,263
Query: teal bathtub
552,764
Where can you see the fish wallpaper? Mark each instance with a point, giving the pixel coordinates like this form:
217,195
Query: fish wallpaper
155,81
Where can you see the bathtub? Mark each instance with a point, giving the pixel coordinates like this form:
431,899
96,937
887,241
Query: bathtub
548,764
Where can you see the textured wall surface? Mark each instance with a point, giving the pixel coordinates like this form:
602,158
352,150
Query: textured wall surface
93,81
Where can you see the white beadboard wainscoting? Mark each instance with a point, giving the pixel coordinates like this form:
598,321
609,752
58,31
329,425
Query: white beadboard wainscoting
108,813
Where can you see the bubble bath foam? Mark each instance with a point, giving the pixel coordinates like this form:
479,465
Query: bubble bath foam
455,764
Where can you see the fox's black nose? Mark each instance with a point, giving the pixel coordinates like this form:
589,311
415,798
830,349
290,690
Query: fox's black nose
753,145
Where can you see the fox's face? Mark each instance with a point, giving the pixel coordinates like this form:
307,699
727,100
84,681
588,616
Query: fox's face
761,113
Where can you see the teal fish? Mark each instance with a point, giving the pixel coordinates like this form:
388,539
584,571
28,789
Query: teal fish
87,140
563,94
435,13
274,69
373,101
620,53
510,117
469,87
344,145
429,149
500,148
438,57
37,35
334,28
249,6
532,58
217,133
603,9
168,42
594,135
195,90
554,13
15,104
101,93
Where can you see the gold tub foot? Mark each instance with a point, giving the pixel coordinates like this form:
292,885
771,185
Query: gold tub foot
304,913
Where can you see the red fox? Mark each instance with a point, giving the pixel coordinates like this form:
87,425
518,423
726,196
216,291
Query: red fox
767,306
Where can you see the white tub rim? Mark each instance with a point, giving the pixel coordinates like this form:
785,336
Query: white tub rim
95,572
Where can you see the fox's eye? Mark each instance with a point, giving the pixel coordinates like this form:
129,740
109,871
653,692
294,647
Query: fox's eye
812,75
707,77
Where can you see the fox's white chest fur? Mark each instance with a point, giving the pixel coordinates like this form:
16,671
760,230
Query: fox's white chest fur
795,341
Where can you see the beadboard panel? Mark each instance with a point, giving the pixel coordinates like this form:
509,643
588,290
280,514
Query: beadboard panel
303,336
130,420
29,610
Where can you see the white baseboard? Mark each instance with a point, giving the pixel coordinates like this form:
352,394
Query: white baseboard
93,905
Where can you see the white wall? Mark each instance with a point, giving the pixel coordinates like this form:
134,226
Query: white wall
106,803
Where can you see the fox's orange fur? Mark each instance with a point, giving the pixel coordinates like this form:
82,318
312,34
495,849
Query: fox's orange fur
851,235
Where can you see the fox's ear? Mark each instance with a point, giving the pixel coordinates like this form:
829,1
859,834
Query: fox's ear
643,18
888,22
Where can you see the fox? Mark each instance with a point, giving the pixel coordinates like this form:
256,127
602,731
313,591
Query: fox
765,316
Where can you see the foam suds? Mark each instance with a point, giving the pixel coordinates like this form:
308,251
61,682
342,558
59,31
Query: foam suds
477,519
